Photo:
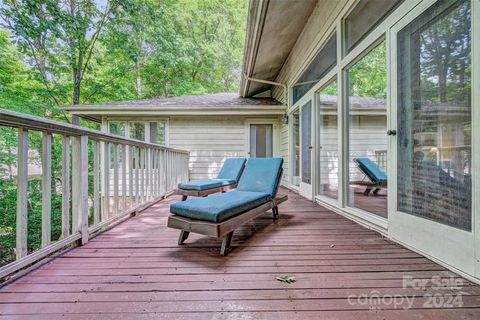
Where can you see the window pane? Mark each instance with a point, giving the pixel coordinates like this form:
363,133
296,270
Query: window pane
157,132
364,18
137,130
295,118
367,126
435,123
116,127
328,141
323,62
306,142
261,141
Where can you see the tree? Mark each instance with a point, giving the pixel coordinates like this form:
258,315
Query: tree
59,37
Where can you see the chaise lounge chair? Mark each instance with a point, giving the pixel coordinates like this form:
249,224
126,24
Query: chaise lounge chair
377,178
219,215
227,179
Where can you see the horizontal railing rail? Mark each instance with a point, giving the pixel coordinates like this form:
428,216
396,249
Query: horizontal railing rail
104,178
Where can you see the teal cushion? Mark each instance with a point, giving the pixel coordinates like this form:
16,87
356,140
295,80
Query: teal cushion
372,170
261,175
232,169
205,184
219,207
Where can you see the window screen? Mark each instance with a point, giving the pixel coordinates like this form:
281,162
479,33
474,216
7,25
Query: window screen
323,63
364,18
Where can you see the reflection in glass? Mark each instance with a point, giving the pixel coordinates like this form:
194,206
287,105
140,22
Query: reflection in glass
328,141
117,128
295,118
435,123
367,126
137,130
261,141
157,132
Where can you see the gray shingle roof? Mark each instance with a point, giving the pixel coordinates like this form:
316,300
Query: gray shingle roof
215,99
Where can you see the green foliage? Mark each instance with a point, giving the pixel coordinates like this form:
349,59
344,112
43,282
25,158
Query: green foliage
368,77
80,51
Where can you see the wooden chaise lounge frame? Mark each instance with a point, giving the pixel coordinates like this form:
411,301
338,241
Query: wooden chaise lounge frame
225,228
203,193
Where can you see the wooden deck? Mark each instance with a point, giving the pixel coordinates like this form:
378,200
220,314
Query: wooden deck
137,271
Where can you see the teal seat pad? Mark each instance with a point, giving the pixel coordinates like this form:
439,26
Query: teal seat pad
199,185
372,170
220,207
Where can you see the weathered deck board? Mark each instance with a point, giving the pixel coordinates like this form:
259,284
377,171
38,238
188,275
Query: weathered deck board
136,271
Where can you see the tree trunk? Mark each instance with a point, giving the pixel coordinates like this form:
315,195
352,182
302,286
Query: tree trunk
138,79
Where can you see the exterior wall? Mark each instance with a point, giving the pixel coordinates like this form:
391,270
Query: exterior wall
210,140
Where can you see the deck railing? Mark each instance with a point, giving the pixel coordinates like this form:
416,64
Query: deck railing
104,178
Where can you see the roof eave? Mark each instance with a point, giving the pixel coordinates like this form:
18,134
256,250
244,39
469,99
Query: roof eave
256,17
95,113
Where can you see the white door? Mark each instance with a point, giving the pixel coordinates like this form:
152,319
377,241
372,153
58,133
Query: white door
306,150
432,131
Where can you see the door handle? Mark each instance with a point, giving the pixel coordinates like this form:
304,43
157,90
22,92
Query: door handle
310,147
392,132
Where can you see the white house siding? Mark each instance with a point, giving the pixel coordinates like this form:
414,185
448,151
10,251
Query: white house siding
364,141
210,140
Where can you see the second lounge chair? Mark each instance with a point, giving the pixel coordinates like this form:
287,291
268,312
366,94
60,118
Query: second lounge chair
227,179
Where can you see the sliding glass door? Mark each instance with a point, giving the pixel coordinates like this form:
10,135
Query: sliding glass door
327,143
434,133
367,132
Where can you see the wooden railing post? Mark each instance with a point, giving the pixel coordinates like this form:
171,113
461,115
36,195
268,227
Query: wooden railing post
96,182
80,187
46,188
22,193
65,186
106,182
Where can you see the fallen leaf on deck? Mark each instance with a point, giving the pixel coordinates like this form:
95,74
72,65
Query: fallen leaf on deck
286,279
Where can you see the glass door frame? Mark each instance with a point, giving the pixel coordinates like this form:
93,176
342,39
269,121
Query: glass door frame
306,191
409,230
323,83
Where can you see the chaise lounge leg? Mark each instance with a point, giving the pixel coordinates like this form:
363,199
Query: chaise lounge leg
275,213
184,198
375,192
367,191
227,240
183,236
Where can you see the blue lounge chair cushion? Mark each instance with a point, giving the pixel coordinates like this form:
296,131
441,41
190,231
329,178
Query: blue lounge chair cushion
219,207
372,170
229,174
232,169
261,175
199,185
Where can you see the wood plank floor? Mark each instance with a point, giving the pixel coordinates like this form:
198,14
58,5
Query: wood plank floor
342,271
